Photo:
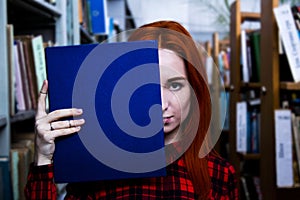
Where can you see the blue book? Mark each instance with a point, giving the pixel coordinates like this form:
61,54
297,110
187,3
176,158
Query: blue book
5,179
98,14
117,86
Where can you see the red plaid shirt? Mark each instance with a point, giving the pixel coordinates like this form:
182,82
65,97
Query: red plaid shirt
176,185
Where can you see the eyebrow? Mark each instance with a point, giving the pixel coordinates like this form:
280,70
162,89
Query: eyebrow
176,79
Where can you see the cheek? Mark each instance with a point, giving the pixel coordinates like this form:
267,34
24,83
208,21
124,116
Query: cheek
184,103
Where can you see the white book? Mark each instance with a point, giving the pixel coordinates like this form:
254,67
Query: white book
244,54
241,127
39,60
283,148
289,37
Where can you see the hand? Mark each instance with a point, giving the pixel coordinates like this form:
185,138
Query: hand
48,127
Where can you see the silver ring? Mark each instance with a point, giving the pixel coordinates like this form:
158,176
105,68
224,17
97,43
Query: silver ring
70,124
43,92
51,128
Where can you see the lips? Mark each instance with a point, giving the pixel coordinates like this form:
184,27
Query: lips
167,119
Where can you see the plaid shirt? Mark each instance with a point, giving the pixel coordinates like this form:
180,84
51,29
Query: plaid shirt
176,185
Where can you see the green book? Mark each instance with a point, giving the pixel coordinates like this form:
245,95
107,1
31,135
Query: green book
255,44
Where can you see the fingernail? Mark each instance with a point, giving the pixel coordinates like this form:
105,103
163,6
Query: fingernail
79,111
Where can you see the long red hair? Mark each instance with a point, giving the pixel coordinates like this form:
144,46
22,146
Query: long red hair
186,48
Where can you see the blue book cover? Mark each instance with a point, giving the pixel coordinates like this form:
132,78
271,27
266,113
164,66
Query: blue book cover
117,86
98,13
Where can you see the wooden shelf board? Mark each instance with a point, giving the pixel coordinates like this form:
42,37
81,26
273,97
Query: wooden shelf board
288,192
290,86
85,35
3,121
41,7
250,85
250,16
22,115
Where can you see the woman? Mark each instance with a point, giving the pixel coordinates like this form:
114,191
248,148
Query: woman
185,100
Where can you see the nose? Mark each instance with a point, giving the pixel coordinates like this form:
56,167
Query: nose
164,99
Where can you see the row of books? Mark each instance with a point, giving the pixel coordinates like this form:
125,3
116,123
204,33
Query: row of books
13,171
21,156
250,55
27,69
250,187
248,122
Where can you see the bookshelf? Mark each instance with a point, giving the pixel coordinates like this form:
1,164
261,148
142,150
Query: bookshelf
219,45
4,96
269,88
29,17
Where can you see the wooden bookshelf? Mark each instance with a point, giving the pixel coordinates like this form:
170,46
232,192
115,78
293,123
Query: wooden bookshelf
269,87
28,17
248,16
217,46
21,116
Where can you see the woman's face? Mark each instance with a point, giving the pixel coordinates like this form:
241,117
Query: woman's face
175,92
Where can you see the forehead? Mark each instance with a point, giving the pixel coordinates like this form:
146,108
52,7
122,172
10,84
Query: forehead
170,63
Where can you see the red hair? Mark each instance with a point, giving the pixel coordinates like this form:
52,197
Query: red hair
173,36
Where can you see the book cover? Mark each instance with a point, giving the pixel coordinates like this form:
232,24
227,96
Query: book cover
284,157
255,52
11,67
39,60
117,86
244,57
289,37
5,179
241,127
98,14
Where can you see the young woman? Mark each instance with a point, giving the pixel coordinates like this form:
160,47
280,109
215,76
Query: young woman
186,108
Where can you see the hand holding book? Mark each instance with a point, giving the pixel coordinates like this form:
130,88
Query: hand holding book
50,126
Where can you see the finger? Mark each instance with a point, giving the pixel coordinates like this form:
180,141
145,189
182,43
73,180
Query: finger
41,108
65,131
62,113
66,124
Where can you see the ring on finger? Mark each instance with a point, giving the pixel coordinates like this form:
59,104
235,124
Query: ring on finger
51,127
42,92
70,124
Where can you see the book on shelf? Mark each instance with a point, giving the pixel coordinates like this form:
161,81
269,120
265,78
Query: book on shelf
19,94
250,187
245,56
5,179
241,127
11,67
283,148
290,38
296,144
254,38
248,126
87,77
20,161
99,18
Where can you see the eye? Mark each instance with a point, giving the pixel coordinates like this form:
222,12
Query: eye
175,86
